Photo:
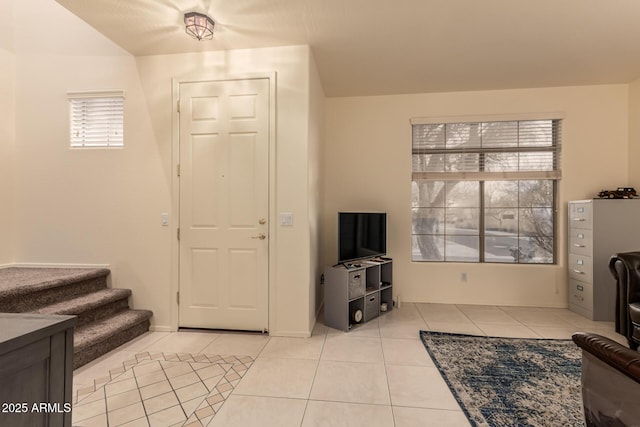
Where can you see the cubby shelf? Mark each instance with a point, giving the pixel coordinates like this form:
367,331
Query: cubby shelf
355,293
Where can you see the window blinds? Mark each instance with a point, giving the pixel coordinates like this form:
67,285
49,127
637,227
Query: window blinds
491,150
97,119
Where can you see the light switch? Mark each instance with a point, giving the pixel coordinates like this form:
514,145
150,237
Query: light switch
164,219
286,219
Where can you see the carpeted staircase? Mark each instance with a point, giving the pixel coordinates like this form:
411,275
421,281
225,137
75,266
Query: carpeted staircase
105,320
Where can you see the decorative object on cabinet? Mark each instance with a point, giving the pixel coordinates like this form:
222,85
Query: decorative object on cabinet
598,229
619,193
354,295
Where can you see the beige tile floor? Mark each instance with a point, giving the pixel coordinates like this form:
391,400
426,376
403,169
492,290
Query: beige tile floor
379,374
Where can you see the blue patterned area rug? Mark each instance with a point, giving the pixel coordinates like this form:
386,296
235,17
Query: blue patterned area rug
510,381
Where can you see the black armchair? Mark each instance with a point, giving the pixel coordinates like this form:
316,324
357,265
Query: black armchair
625,268
610,382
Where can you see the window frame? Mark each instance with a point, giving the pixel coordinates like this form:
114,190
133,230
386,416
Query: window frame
481,177
105,123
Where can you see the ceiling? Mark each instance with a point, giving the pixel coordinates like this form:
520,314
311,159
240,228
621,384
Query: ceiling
380,47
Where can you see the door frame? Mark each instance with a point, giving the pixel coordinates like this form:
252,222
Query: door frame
175,185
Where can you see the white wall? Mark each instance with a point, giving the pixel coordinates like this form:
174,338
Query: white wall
99,206
7,157
86,206
291,285
368,167
316,169
103,206
634,135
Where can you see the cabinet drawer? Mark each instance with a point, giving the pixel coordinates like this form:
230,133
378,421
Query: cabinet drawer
580,241
580,214
580,294
356,284
581,268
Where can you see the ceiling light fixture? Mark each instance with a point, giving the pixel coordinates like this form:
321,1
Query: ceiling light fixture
198,25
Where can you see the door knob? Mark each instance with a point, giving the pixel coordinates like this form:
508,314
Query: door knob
262,221
260,236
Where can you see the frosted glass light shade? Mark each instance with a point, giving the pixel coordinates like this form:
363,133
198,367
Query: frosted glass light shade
198,25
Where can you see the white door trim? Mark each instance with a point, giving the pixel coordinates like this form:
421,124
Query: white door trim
175,184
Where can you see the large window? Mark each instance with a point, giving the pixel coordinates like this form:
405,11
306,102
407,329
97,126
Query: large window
96,119
485,191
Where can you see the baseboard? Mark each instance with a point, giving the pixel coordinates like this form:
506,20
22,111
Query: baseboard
160,328
6,266
290,334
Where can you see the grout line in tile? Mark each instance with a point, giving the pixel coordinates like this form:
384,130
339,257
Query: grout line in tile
386,376
315,373
135,378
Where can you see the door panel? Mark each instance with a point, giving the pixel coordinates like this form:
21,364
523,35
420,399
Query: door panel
205,152
244,262
204,265
242,208
224,175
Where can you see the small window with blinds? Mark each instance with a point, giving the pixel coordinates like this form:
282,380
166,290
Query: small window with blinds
485,191
96,119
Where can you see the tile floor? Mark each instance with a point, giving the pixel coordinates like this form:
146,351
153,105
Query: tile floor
379,374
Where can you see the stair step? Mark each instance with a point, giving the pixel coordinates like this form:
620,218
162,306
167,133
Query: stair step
97,338
28,289
92,306
104,318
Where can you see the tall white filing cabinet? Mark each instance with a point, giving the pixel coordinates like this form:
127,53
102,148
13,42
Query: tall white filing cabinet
599,228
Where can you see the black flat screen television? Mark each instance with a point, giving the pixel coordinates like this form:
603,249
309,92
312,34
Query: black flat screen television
361,235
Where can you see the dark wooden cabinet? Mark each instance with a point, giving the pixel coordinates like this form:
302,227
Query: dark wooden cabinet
36,370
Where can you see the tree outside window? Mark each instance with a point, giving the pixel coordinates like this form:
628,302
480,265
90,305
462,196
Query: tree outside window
485,191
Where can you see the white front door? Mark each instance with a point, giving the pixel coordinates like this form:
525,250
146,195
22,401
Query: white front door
224,185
